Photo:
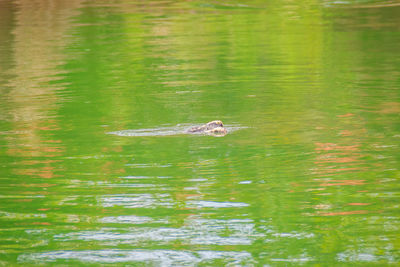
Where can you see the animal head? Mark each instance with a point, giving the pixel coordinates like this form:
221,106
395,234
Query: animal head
214,124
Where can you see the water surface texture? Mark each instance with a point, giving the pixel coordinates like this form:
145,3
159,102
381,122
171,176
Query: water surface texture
309,174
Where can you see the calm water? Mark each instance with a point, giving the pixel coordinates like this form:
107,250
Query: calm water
310,176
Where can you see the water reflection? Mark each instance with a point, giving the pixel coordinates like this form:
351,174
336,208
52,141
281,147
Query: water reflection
138,200
194,231
131,219
158,257
36,54
313,180
213,204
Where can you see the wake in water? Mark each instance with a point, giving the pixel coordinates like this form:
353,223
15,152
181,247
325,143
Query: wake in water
164,131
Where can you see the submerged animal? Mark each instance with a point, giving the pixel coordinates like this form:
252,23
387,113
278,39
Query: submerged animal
215,128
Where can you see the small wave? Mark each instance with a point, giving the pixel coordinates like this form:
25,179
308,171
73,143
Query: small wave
166,131
153,257
161,131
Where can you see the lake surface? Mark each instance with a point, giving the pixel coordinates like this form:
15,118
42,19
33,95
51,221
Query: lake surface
309,176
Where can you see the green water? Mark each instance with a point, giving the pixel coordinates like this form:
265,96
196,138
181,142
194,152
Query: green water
310,177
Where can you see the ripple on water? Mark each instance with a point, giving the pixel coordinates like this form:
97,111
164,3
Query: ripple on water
138,200
159,257
194,231
165,131
131,219
215,204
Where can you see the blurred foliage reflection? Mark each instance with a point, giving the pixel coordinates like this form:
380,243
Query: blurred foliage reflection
311,177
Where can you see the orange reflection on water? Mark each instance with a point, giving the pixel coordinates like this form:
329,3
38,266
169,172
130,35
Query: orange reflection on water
36,52
344,213
330,172
332,146
34,162
345,115
41,223
390,108
42,172
44,185
346,133
341,156
333,159
342,182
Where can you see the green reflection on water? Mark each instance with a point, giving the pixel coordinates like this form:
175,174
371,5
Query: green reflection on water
312,179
